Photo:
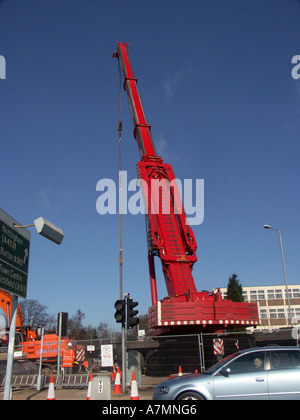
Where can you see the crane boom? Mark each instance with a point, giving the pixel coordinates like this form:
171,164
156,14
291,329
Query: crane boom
170,237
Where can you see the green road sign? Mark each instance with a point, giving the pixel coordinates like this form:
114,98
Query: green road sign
14,256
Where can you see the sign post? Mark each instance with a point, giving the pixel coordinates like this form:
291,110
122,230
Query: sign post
11,347
14,261
41,333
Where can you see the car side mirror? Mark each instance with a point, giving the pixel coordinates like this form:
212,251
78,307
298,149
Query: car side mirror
225,371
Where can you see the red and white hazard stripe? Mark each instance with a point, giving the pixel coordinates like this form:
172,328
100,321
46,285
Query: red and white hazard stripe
80,355
218,346
204,322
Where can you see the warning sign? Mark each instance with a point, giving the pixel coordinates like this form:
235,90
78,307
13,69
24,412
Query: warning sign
107,358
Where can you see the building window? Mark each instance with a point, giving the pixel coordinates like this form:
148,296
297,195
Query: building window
278,294
263,314
295,312
277,314
294,293
257,295
271,294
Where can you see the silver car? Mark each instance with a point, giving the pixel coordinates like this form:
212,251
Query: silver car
269,373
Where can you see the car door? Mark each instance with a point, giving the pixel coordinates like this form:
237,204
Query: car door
284,375
243,378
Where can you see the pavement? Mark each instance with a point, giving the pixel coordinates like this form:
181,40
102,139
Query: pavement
67,394
145,392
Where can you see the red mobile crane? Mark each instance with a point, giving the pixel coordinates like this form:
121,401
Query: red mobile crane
172,239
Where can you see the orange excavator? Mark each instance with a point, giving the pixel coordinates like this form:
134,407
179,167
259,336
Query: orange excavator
30,342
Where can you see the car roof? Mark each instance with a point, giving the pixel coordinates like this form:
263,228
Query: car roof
268,348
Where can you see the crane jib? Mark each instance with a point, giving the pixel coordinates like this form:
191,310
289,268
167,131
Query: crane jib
142,131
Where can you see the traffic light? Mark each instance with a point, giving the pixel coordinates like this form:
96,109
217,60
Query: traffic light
132,321
62,323
120,314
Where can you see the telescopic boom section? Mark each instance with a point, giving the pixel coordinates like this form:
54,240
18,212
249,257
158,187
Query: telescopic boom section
141,129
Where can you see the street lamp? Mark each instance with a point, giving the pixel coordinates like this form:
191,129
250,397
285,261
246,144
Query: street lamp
46,229
284,272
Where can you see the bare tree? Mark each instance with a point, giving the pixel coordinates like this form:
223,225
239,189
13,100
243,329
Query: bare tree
34,313
75,326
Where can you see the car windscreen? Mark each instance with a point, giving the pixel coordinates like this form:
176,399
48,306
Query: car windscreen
219,365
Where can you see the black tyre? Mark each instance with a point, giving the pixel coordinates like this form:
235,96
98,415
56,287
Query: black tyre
190,395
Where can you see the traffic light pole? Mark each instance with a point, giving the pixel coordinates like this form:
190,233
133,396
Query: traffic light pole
125,314
124,359
124,329
124,339
125,296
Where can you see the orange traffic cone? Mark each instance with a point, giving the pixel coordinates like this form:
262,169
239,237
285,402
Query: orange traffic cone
180,371
88,397
134,395
117,387
51,395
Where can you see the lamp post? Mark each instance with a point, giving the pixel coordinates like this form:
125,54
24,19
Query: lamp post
284,272
41,333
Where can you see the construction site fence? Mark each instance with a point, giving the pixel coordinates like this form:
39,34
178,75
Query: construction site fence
164,355
161,355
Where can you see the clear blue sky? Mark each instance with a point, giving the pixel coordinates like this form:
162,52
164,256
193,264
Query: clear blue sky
215,81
